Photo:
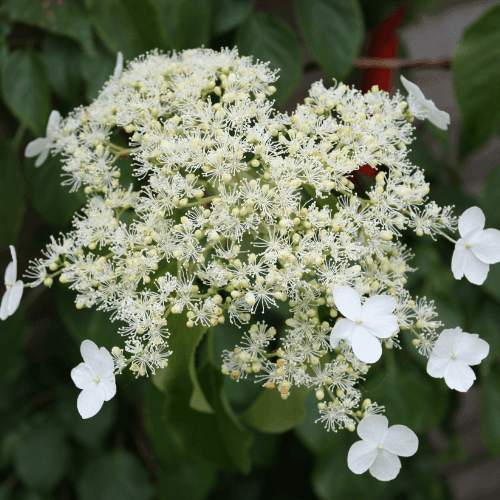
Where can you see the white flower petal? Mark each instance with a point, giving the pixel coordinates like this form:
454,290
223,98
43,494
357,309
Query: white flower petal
361,456
381,326
365,346
459,259
34,148
91,355
412,87
448,342
372,429
89,403
347,301
11,271
342,330
4,308
386,466
475,270
119,65
401,441
459,376
43,156
436,366
472,218
107,364
16,294
438,117
378,305
53,123
82,376
486,246
472,350
108,387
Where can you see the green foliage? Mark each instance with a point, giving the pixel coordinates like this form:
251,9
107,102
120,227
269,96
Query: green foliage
490,401
228,14
476,71
270,39
12,195
333,30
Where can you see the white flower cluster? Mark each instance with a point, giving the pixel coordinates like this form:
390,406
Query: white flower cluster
238,209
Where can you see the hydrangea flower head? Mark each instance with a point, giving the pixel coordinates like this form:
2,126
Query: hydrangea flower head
14,288
476,249
453,355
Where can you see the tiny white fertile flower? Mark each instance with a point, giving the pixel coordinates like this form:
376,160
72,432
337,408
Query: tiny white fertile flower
14,288
453,352
95,376
476,249
40,147
380,447
424,108
363,323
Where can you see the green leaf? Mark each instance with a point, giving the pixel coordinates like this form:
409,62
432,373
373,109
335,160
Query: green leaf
270,413
475,68
88,432
333,30
61,18
185,24
492,283
375,11
490,402
118,474
85,323
13,204
228,14
62,60
267,38
25,89
490,198
42,456
96,68
125,26
485,323
48,196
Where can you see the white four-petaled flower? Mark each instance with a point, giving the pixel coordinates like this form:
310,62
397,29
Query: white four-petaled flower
14,288
40,147
424,108
476,249
363,323
95,376
453,352
380,447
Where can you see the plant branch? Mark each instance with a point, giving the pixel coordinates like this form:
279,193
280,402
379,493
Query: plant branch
390,63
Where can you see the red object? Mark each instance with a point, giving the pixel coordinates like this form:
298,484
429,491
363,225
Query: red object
383,43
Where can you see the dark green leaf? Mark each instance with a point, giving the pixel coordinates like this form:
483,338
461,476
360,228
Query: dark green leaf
62,60
13,204
492,283
186,25
486,324
490,402
267,38
228,14
270,413
25,89
490,199
476,72
333,30
61,18
96,68
125,26
48,196
5,28
375,11
42,457
115,475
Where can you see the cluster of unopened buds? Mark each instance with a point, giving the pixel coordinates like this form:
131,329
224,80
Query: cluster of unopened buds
239,209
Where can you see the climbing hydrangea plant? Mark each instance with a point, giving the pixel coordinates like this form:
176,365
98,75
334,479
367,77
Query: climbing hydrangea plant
238,208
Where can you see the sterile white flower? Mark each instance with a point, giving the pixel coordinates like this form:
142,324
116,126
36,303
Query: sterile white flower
117,73
476,249
424,108
363,323
95,376
40,147
380,447
453,352
14,289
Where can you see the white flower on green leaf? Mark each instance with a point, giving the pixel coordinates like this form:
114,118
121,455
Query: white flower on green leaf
476,249
424,108
95,376
381,447
40,147
453,354
363,324
14,288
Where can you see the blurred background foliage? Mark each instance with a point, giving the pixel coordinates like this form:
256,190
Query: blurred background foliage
192,433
